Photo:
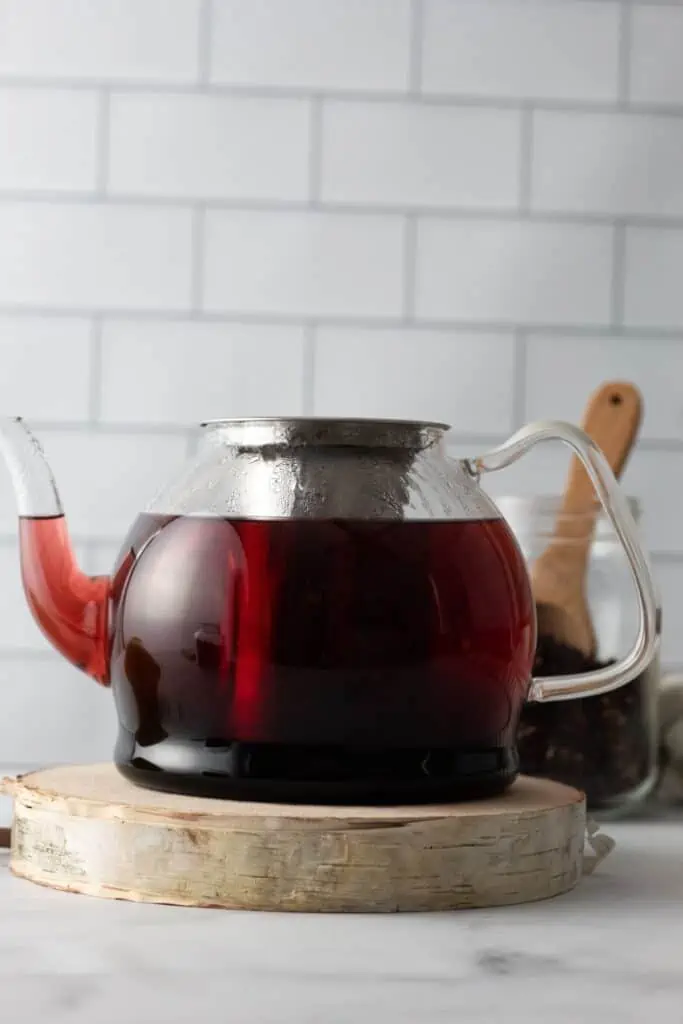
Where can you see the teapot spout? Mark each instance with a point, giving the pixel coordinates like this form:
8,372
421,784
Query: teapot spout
70,607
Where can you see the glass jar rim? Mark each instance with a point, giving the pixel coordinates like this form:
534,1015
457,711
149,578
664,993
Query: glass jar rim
550,504
543,511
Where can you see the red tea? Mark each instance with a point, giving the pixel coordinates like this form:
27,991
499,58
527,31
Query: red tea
317,659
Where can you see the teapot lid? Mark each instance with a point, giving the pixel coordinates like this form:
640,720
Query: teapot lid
298,431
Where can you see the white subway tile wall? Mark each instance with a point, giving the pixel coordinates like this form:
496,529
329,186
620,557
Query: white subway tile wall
303,263
518,272
398,376
652,278
630,164
240,147
308,44
469,210
46,367
656,71
95,256
144,41
50,140
411,154
183,372
528,50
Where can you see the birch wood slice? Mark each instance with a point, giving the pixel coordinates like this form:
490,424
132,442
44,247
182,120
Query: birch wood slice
86,829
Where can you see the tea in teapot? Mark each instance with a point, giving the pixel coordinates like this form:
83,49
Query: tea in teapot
316,611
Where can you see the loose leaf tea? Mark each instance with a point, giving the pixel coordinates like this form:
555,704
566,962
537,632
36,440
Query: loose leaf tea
601,745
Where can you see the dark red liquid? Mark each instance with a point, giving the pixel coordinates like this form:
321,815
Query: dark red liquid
319,660
308,659
70,607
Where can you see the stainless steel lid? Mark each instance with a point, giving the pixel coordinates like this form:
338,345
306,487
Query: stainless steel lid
300,431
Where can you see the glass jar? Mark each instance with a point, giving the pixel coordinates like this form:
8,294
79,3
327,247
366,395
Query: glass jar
605,745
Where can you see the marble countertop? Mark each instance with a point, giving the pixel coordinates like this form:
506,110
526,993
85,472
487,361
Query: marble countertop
612,950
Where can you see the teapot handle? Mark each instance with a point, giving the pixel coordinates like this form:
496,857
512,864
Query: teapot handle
602,680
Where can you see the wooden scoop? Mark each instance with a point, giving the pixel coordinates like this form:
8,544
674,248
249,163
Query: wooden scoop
611,419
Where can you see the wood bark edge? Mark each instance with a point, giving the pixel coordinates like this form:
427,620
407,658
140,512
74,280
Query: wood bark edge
427,859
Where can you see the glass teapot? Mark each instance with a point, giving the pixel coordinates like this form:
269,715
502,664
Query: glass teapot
317,610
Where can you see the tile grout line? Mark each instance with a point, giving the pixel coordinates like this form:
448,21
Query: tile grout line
416,47
197,250
114,428
511,214
519,374
398,95
102,144
409,267
204,42
624,54
526,157
96,379
308,369
375,208
315,150
668,334
618,285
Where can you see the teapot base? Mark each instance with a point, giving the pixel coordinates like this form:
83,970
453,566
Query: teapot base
299,774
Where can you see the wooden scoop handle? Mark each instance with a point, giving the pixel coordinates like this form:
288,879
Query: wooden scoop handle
612,419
